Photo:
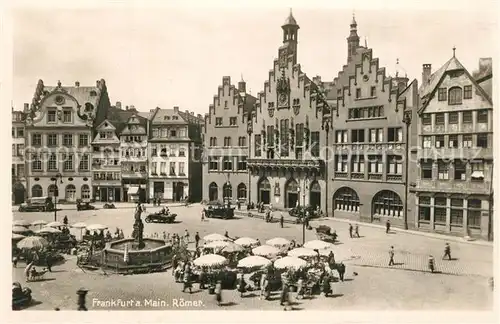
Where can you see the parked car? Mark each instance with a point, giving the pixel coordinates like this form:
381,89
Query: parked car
301,210
37,204
81,205
219,211
160,218
21,297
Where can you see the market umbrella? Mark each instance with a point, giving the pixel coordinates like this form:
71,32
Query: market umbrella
210,260
32,242
79,225
265,250
318,245
96,227
302,252
39,222
216,244
215,237
246,241
46,229
278,242
232,247
289,262
253,261
21,222
20,229
17,236
55,224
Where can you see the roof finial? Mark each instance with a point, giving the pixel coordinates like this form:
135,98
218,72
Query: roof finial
59,81
454,48
353,18
242,78
366,44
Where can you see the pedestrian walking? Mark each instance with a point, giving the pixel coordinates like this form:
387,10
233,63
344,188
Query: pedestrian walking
350,230
341,271
187,280
331,260
175,262
218,292
197,239
447,251
241,284
356,231
431,263
387,227
226,234
282,220
14,261
203,215
391,256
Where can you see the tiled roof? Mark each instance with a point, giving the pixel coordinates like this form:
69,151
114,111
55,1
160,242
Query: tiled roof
119,118
166,116
435,78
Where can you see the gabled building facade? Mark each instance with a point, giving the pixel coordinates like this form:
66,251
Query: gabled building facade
59,125
287,164
455,162
369,139
19,193
171,148
226,144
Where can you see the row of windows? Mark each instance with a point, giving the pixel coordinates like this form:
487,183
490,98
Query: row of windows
172,150
456,209
69,192
366,112
385,203
456,141
169,132
136,139
375,135
284,147
17,132
134,152
227,163
374,163
453,117
459,173
373,92
232,121
106,162
227,191
242,141
172,168
66,117
106,175
52,140
134,167
455,94
53,163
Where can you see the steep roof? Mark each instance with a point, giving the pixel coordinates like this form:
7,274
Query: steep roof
119,118
81,94
168,117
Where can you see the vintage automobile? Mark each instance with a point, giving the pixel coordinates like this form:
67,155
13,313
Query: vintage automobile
109,206
21,297
219,211
81,205
301,210
160,218
324,233
37,204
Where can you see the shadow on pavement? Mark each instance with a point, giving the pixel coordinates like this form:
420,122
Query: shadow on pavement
229,304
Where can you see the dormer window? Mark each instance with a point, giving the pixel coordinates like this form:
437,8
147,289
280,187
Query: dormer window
175,117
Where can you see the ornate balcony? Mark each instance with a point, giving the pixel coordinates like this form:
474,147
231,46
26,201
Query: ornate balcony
306,165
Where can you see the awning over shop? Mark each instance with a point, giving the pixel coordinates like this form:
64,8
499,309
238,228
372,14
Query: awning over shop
133,190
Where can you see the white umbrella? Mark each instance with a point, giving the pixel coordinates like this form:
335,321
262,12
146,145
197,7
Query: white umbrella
48,230
318,245
210,260
246,241
55,224
232,247
216,244
32,242
21,222
17,236
265,250
39,222
215,237
289,262
20,229
96,227
79,225
302,252
253,261
278,242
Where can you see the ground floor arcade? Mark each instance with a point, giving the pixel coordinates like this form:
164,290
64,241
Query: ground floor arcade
168,189
68,189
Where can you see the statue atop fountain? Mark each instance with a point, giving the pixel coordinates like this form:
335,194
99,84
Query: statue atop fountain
138,232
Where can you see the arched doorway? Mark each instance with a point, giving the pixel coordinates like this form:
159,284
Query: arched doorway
178,191
85,192
346,199
242,191
387,203
52,191
213,192
315,195
70,193
291,194
36,191
227,191
19,193
264,191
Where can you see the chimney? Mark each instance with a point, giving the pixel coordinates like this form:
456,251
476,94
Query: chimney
242,86
132,107
77,84
317,80
176,109
126,107
119,105
426,73
187,112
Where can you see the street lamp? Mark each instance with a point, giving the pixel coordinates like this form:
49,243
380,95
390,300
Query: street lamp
407,120
56,192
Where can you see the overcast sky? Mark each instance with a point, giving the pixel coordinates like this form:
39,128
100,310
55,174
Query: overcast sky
178,56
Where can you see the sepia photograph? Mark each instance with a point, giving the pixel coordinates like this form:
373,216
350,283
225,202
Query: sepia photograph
253,158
